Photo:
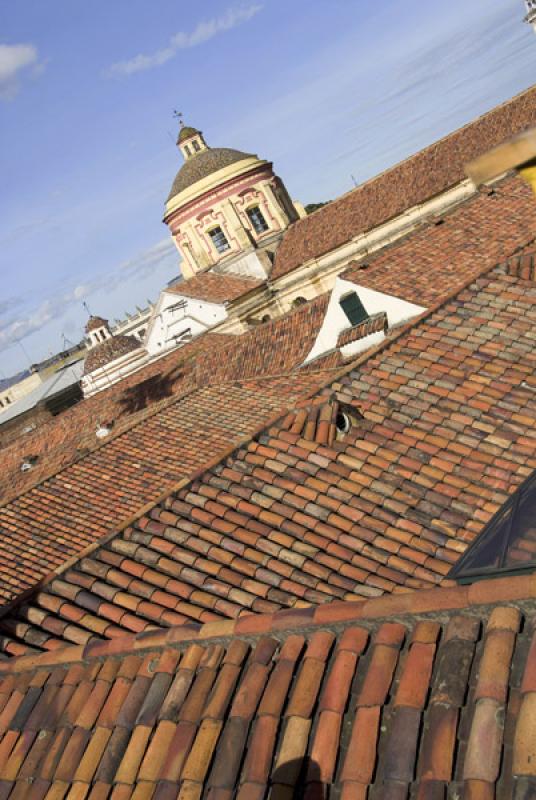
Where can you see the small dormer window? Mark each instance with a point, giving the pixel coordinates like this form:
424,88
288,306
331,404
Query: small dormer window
257,219
353,308
219,240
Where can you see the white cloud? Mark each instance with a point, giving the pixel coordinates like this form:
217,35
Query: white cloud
14,59
145,263
182,40
15,328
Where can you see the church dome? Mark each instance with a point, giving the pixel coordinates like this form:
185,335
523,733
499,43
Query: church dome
202,165
109,350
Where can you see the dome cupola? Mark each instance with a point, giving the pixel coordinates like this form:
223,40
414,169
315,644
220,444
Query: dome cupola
110,357
190,140
223,205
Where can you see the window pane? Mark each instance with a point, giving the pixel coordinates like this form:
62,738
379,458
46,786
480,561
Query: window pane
487,551
196,146
508,542
256,218
353,308
219,240
522,548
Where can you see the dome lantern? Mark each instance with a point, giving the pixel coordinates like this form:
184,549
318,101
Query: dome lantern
97,330
190,141
223,206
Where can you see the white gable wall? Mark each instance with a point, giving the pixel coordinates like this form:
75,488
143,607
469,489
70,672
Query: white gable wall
174,315
336,321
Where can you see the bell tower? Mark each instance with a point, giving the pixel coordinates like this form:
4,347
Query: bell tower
190,141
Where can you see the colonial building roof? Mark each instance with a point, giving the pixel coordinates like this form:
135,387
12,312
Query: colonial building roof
107,351
216,287
61,513
202,165
422,695
446,251
442,431
418,178
61,440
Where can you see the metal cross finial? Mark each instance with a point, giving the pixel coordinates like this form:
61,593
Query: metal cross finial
179,115
86,307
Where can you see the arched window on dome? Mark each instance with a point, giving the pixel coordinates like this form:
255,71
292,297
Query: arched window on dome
196,145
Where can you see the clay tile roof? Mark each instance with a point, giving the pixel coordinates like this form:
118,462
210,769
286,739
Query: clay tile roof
108,351
202,165
437,257
442,433
374,324
95,322
418,178
208,399
216,287
339,700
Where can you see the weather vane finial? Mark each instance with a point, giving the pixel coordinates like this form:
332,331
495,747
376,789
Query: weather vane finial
179,115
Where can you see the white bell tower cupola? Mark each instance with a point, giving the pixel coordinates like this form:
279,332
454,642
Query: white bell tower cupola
97,331
190,140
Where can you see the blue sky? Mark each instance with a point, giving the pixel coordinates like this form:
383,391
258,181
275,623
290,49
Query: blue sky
330,90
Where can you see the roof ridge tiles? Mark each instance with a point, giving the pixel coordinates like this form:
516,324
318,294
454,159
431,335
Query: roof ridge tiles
395,608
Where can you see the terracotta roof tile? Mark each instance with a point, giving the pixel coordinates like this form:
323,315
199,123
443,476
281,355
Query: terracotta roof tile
363,706
435,259
426,174
288,520
209,359
375,323
216,287
58,517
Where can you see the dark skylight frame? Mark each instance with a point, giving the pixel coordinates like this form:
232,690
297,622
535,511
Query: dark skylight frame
507,545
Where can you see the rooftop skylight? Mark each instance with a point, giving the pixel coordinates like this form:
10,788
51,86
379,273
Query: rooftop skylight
508,542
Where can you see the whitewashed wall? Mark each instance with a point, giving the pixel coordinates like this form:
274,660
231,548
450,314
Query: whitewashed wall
336,321
170,321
